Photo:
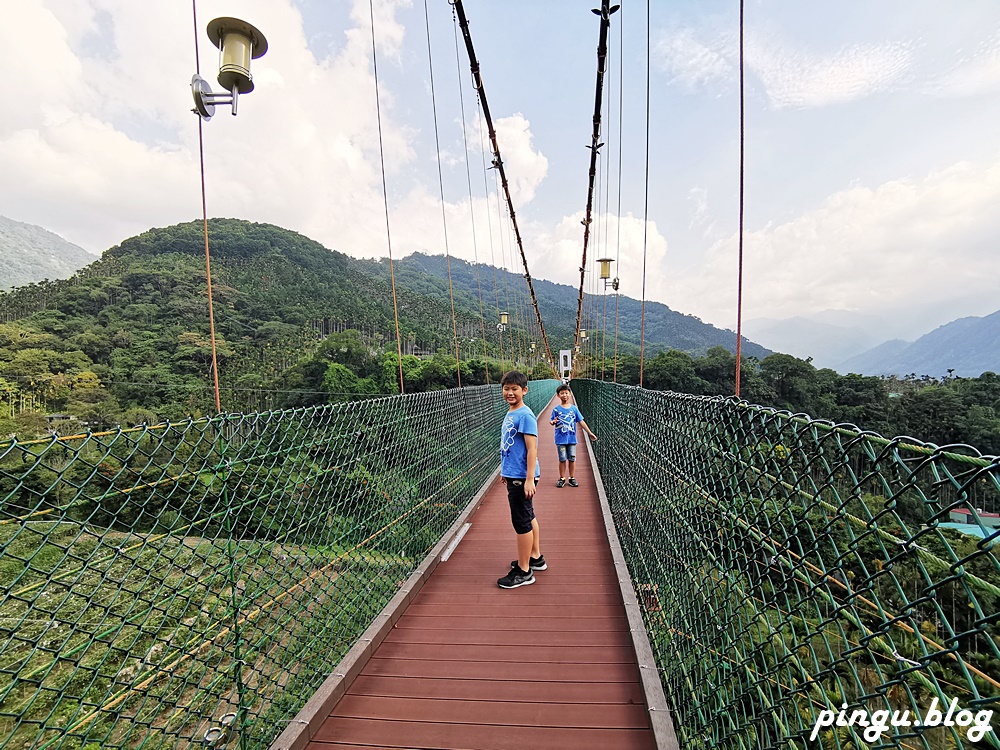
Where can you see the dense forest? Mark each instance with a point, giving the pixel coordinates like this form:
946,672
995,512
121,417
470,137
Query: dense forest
126,341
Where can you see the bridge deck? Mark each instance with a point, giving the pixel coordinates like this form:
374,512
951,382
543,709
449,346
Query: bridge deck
470,665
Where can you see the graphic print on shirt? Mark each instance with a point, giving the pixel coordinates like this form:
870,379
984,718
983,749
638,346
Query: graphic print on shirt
566,421
507,438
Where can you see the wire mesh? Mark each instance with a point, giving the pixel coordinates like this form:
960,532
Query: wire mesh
795,574
194,583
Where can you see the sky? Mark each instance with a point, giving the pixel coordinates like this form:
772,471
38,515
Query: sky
872,169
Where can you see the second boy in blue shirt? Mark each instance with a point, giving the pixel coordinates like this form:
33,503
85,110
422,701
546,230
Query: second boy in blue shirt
565,417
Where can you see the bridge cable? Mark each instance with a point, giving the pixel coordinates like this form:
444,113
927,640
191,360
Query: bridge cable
602,50
444,219
603,328
204,220
489,226
621,141
498,163
472,207
739,279
385,199
645,212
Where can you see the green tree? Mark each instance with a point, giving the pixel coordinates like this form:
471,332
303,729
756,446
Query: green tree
339,381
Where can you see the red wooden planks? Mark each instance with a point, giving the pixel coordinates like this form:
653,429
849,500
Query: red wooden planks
548,666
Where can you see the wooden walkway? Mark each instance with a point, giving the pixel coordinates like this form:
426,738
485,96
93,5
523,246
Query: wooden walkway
550,666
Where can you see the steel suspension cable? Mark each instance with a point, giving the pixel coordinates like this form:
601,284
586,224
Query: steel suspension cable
489,224
204,220
385,198
472,207
498,162
602,290
621,141
602,52
444,219
645,212
739,280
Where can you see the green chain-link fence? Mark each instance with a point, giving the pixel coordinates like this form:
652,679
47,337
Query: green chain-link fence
194,583
788,567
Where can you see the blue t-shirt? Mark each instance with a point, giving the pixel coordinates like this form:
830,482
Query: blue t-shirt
513,451
566,418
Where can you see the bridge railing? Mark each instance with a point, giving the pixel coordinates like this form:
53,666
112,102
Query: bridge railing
798,577
192,583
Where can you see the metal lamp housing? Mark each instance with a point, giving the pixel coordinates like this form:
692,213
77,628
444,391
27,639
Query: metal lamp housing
238,43
605,267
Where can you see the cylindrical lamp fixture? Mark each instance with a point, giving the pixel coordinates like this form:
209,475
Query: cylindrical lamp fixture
605,267
238,43
503,317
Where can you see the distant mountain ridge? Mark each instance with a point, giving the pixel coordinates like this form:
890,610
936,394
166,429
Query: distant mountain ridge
665,328
29,254
966,347
826,338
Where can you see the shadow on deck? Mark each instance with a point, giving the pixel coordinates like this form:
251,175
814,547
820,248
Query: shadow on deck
456,662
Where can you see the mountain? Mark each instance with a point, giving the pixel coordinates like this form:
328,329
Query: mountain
135,323
828,337
966,347
870,362
665,328
29,253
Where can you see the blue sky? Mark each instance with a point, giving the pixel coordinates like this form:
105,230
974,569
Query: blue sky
873,155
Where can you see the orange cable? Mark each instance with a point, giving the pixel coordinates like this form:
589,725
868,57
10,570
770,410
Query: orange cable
385,198
444,220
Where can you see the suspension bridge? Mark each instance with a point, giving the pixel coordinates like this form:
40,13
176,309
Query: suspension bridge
199,582
726,576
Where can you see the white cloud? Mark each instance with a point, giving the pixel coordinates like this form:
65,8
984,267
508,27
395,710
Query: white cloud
557,253
694,63
919,249
525,167
800,78
975,74
792,75
79,158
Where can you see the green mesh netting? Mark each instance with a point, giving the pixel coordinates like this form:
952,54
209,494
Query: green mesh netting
788,566
194,583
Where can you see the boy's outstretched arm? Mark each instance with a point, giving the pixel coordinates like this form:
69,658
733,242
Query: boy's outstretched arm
587,430
531,443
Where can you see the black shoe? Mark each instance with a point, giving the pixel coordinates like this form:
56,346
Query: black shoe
572,482
535,563
515,578
561,482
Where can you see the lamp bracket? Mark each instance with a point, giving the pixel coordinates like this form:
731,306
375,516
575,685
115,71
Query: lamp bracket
205,99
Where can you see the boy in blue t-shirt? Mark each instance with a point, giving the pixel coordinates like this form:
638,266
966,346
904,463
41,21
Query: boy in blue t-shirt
518,451
566,417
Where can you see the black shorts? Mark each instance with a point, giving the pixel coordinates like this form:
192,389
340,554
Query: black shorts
522,512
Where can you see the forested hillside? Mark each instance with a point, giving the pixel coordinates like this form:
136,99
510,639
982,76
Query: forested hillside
126,341
127,338
665,328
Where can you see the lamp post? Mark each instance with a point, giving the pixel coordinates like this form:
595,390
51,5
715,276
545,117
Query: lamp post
501,327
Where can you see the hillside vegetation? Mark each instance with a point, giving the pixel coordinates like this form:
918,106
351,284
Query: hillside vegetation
126,341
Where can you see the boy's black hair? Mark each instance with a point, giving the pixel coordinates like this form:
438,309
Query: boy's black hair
562,387
514,378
